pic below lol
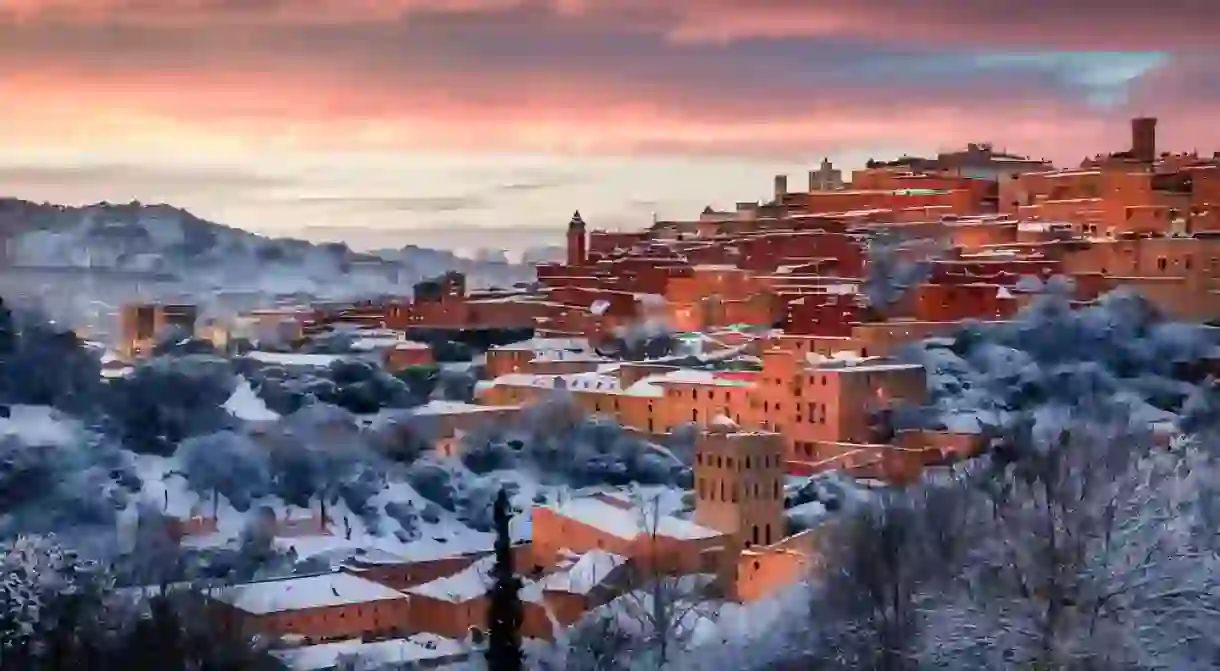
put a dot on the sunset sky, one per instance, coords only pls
(486, 122)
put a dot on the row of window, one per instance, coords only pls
(717, 461)
(707, 491)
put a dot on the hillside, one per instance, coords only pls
(76, 257)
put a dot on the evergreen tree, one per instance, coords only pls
(504, 613)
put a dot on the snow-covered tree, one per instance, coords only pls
(894, 264)
(36, 572)
(1093, 549)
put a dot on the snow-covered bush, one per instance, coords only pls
(169, 399)
(41, 364)
(559, 444)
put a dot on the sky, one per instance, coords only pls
(485, 123)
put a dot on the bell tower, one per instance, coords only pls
(739, 484)
(577, 253)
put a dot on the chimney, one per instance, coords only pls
(781, 187)
(1143, 139)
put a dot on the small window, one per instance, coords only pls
(1161, 263)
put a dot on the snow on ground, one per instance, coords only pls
(246, 405)
(38, 425)
(167, 490)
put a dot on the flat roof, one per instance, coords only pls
(301, 593)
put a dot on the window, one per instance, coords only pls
(1161, 263)
(699, 459)
(747, 462)
(767, 534)
(730, 462)
(755, 534)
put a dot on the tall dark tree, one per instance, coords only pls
(504, 613)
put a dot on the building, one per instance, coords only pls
(826, 177)
(738, 484)
(455, 605)
(143, 324)
(315, 609)
(418, 651)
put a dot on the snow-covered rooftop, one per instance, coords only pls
(591, 570)
(545, 344)
(471, 583)
(416, 649)
(318, 591)
(295, 359)
(628, 524)
(457, 408)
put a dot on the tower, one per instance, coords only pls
(1143, 139)
(781, 187)
(738, 484)
(577, 254)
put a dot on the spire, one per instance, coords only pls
(577, 221)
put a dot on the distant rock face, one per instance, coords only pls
(197, 259)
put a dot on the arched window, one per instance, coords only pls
(722, 490)
(756, 534)
(768, 534)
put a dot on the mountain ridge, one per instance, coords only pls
(153, 251)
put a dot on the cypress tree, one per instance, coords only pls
(504, 614)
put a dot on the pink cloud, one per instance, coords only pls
(177, 12)
(301, 112)
(1083, 24)
(178, 78)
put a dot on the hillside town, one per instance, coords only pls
(768, 334)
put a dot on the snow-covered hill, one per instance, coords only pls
(134, 248)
